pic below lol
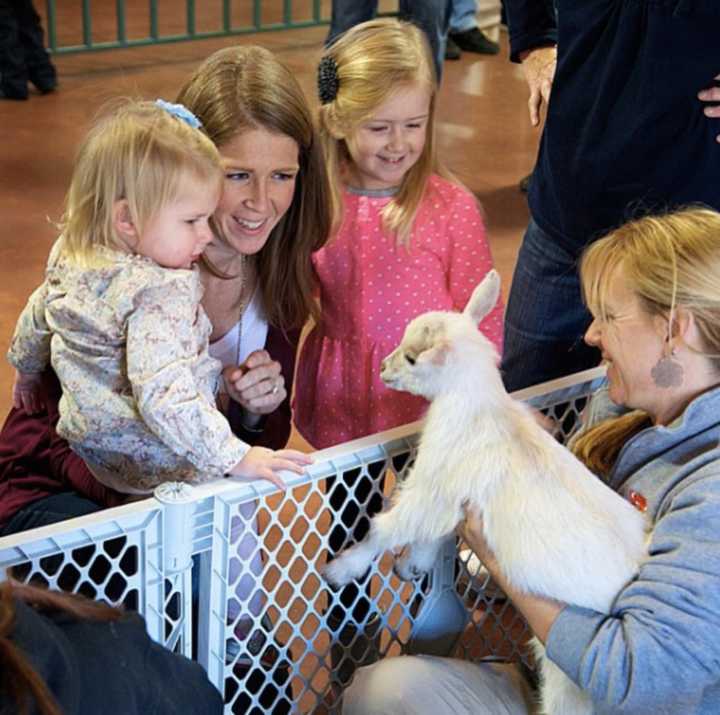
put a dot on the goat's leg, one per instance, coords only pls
(417, 559)
(355, 561)
(388, 530)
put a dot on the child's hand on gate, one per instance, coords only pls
(263, 463)
(28, 392)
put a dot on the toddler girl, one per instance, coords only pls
(407, 239)
(119, 314)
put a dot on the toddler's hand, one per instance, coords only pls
(263, 463)
(27, 392)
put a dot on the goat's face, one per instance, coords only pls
(438, 348)
(417, 364)
(430, 354)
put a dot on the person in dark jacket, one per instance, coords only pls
(61, 653)
(631, 129)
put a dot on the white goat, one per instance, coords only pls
(556, 529)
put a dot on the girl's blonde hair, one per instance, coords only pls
(374, 59)
(243, 88)
(670, 261)
(138, 152)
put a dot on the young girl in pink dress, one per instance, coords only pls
(406, 240)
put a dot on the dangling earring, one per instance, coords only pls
(668, 372)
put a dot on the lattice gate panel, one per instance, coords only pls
(118, 561)
(290, 642)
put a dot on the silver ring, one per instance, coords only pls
(275, 389)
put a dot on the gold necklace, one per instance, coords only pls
(243, 302)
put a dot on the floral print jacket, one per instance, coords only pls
(128, 340)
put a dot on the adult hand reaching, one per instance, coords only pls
(539, 67)
(712, 94)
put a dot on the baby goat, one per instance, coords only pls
(556, 529)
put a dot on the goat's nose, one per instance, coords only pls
(383, 365)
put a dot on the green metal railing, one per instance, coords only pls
(77, 17)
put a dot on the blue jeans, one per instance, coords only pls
(430, 15)
(545, 318)
(463, 15)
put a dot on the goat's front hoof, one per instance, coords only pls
(406, 570)
(351, 565)
(336, 574)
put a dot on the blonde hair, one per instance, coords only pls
(243, 88)
(373, 60)
(671, 261)
(138, 152)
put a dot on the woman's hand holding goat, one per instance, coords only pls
(539, 612)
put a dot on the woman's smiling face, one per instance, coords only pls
(632, 342)
(260, 169)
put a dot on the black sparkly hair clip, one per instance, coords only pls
(327, 79)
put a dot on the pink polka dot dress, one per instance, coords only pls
(370, 289)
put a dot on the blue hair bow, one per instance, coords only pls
(180, 111)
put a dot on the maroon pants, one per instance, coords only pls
(35, 462)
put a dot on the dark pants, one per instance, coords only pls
(55, 509)
(545, 319)
(49, 510)
(432, 16)
(22, 49)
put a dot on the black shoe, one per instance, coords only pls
(452, 51)
(474, 40)
(260, 669)
(45, 87)
(44, 78)
(13, 92)
(352, 645)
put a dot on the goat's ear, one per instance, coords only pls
(484, 297)
(437, 354)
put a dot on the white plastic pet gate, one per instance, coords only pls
(230, 574)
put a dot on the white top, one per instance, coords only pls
(253, 336)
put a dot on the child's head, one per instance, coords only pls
(377, 87)
(145, 180)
